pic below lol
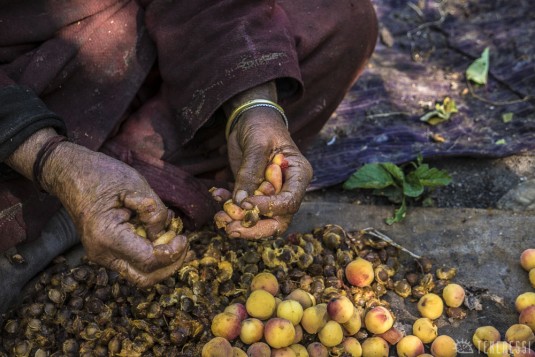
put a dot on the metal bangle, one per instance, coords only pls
(256, 103)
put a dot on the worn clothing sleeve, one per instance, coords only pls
(22, 113)
(211, 50)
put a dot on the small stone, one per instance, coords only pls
(386, 37)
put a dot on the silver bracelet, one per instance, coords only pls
(237, 113)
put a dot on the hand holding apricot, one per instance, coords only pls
(259, 136)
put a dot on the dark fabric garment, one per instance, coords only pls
(143, 81)
(21, 115)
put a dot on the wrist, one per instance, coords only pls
(258, 101)
(63, 166)
(23, 158)
(266, 91)
(256, 107)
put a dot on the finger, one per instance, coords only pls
(171, 251)
(265, 189)
(263, 228)
(296, 179)
(151, 212)
(142, 255)
(221, 219)
(251, 172)
(220, 194)
(142, 279)
(275, 205)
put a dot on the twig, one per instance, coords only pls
(424, 25)
(427, 24)
(375, 233)
(384, 115)
(478, 97)
(416, 10)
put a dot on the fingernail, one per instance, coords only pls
(234, 235)
(247, 205)
(183, 239)
(217, 198)
(240, 196)
(178, 242)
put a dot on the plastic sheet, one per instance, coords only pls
(379, 119)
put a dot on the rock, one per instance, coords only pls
(519, 198)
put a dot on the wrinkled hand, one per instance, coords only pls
(258, 136)
(102, 195)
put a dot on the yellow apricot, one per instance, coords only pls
(485, 336)
(453, 295)
(524, 300)
(265, 281)
(331, 334)
(410, 346)
(378, 320)
(290, 310)
(425, 329)
(360, 272)
(260, 304)
(444, 346)
(431, 306)
(375, 347)
(279, 332)
(527, 259)
(499, 349)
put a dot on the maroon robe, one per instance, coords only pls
(144, 81)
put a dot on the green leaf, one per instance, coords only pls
(393, 193)
(507, 117)
(478, 71)
(432, 177)
(441, 113)
(500, 142)
(394, 170)
(419, 160)
(428, 116)
(437, 120)
(399, 214)
(428, 202)
(412, 187)
(369, 176)
(397, 183)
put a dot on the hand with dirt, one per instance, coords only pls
(258, 136)
(102, 196)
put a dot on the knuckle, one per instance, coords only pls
(149, 264)
(293, 205)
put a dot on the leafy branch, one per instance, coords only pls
(397, 182)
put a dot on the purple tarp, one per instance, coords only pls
(433, 46)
